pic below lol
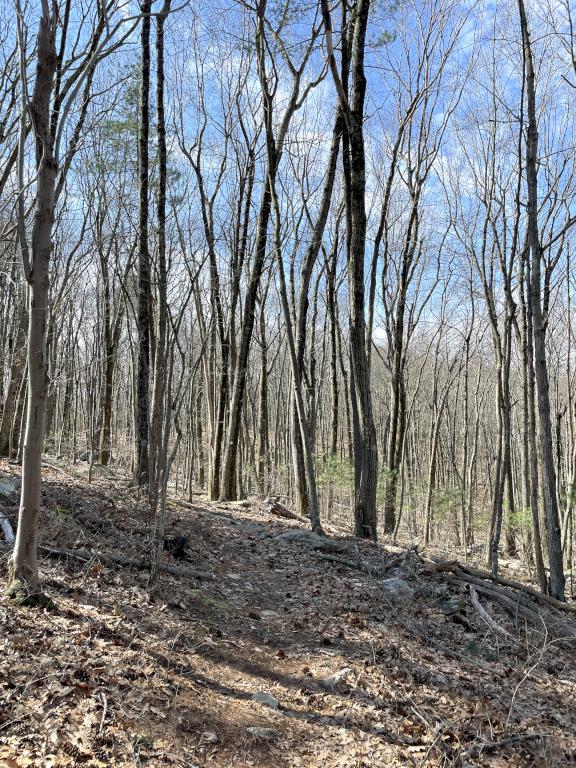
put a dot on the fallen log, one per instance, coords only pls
(539, 596)
(274, 507)
(436, 565)
(352, 564)
(516, 608)
(486, 616)
(517, 598)
(141, 564)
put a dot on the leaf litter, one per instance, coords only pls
(295, 653)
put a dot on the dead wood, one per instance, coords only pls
(509, 741)
(454, 566)
(538, 596)
(486, 616)
(349, 564)
(141, 564)
(107, 558)
(274, 507)
(517, 598)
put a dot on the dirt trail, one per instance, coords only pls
(297, 653)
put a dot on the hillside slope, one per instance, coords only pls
(289, 651)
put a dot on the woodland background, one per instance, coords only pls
(310, 251)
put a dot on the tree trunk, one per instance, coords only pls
(556, 582)
(23, 569)
(354, 163)
(228, 486)
(157, 460)
(17, 371)
(142, 428)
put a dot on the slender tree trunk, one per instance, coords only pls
(303, 424)
(434, 438)
(23, 571)
(302, 496)
(556, 582)
(263, 460)
(274, 146)
(157, 461)
(354, 163)
(199, 416)
(529, 441)
(465, 445)
(17, 372)
(160, 426)
(228, 489)
(142, 469)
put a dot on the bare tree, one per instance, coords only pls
(142, 464)
(556, 583)
(353, 45)
(48, 118)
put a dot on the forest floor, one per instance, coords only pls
(295, 653)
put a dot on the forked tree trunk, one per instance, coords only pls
(365, 449)
(556, 582)
(312, 251)
(275, 138)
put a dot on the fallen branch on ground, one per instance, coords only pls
(509, 741)
(349, 564)
(141, 564)
(538, 596)
(486, 616)
(517, 598)
(279, 510)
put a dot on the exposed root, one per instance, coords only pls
(26, 593)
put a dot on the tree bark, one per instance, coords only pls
(17, 372)
(354, 163)
(23, 570)
(556, 581)
(142, 427)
